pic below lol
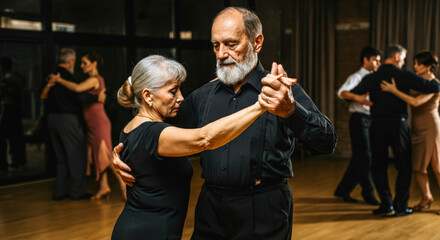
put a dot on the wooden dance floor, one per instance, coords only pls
(27, 211)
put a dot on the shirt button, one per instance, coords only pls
(234, 99)
(225, 147)
(223, 168)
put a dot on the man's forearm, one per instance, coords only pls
(310, 126)
(348, 95)
(314, 130)
(361, 99)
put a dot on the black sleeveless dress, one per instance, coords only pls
(158, 201)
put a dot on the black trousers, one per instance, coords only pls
(69, 145)
(11, 129)
(359, 168)
(242, 214)
(394, 133)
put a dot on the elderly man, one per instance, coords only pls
(245, 194)
(390, 129)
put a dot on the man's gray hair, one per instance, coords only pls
(391, 50)
(65, 54)
(154, 72)
(252, 24)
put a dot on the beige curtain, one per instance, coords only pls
(415, 24)
(314, 51)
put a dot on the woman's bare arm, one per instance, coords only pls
(413, 101)
(88, 84)
(175, 142)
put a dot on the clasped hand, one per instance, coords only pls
(52, 79)
(276, 96)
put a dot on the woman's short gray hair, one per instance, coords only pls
(154, 72)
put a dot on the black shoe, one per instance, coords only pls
(84, 196)
(346, 198)
(370, 199)
(404, 212)
(388, 212)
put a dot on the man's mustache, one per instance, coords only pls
(226, 61)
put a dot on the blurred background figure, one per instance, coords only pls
(359, 168)
(11, 127)
(99, 126)
(425, 126)
(65, 129)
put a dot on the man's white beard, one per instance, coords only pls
(233, 75)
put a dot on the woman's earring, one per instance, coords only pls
(150, 104)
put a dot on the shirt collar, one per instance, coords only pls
(63, 70)
(364, 71)
(256, 76)
(388, 65)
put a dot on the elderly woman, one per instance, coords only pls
(425, 125)
(157, 202)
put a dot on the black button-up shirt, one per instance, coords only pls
(385, 104)
(235, 164)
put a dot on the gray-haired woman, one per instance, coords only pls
(158, 200)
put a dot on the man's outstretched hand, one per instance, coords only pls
(121, 168)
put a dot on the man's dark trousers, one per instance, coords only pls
(391, 132)
(264, 212)
(69, 144)
(358, 170)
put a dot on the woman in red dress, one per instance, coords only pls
(99, 126)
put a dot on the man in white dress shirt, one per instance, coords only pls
(358, 170)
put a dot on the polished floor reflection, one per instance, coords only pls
(35, 167)
(27, 211)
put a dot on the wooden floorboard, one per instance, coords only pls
(27, 211)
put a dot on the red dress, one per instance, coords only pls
(99, 127)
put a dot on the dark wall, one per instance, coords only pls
(352, 34)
